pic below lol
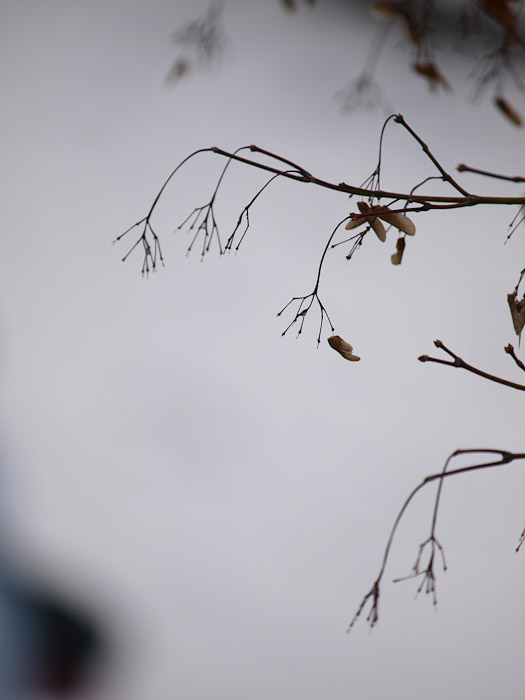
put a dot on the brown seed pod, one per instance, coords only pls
(399, 221)
(508, 110)
(378, 229)
(398, 255)
(517, 310)
(343, 348)
(178, 70)
(376, 225)
(433, 75)
(353, 223)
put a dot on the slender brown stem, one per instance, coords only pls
(459, 362)
(399, 119)
(431, 201)
(510, 350)
(462, 168)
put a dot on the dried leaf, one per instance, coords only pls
(398, 255)
(517, 310)
(508, 110)
(343, 348)
(400, 221)
(433, 75)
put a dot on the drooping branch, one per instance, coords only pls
(427, 201)
(305, 302)
(204, 217)
(245, 213)
(428, 573)
(459, 362)
(376, 205)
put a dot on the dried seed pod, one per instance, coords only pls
(178, 70)
(433, 75)
(354, 223)
(398, 255)
(508, 110)
(359, 220)
(517, 310)
(343, 348)
(376, 225)
(378, 229)
(400, 221)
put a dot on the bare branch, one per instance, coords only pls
(459, 362)
(462, 168)
(150, 260)
(428, 574)
(305, 302)
(203, 221)
(246, 213)
(428, 201)
(446, 176)
(510, 350)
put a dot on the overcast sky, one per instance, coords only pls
(219, 494)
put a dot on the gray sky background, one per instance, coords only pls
(220, 493)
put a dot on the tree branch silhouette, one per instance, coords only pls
(459, 362)
(372, 211)
(428, 573)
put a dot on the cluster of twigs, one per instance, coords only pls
(431, 546)
(202, 220)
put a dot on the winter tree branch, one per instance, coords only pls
(431, 543)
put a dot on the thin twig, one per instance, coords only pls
(246, 213)
(462, 168)
(459, 362)
(510, 350)
(399, 119)
(304, 307)
(430, 201)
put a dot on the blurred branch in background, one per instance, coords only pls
(487, 34)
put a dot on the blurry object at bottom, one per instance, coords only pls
(49, 647)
